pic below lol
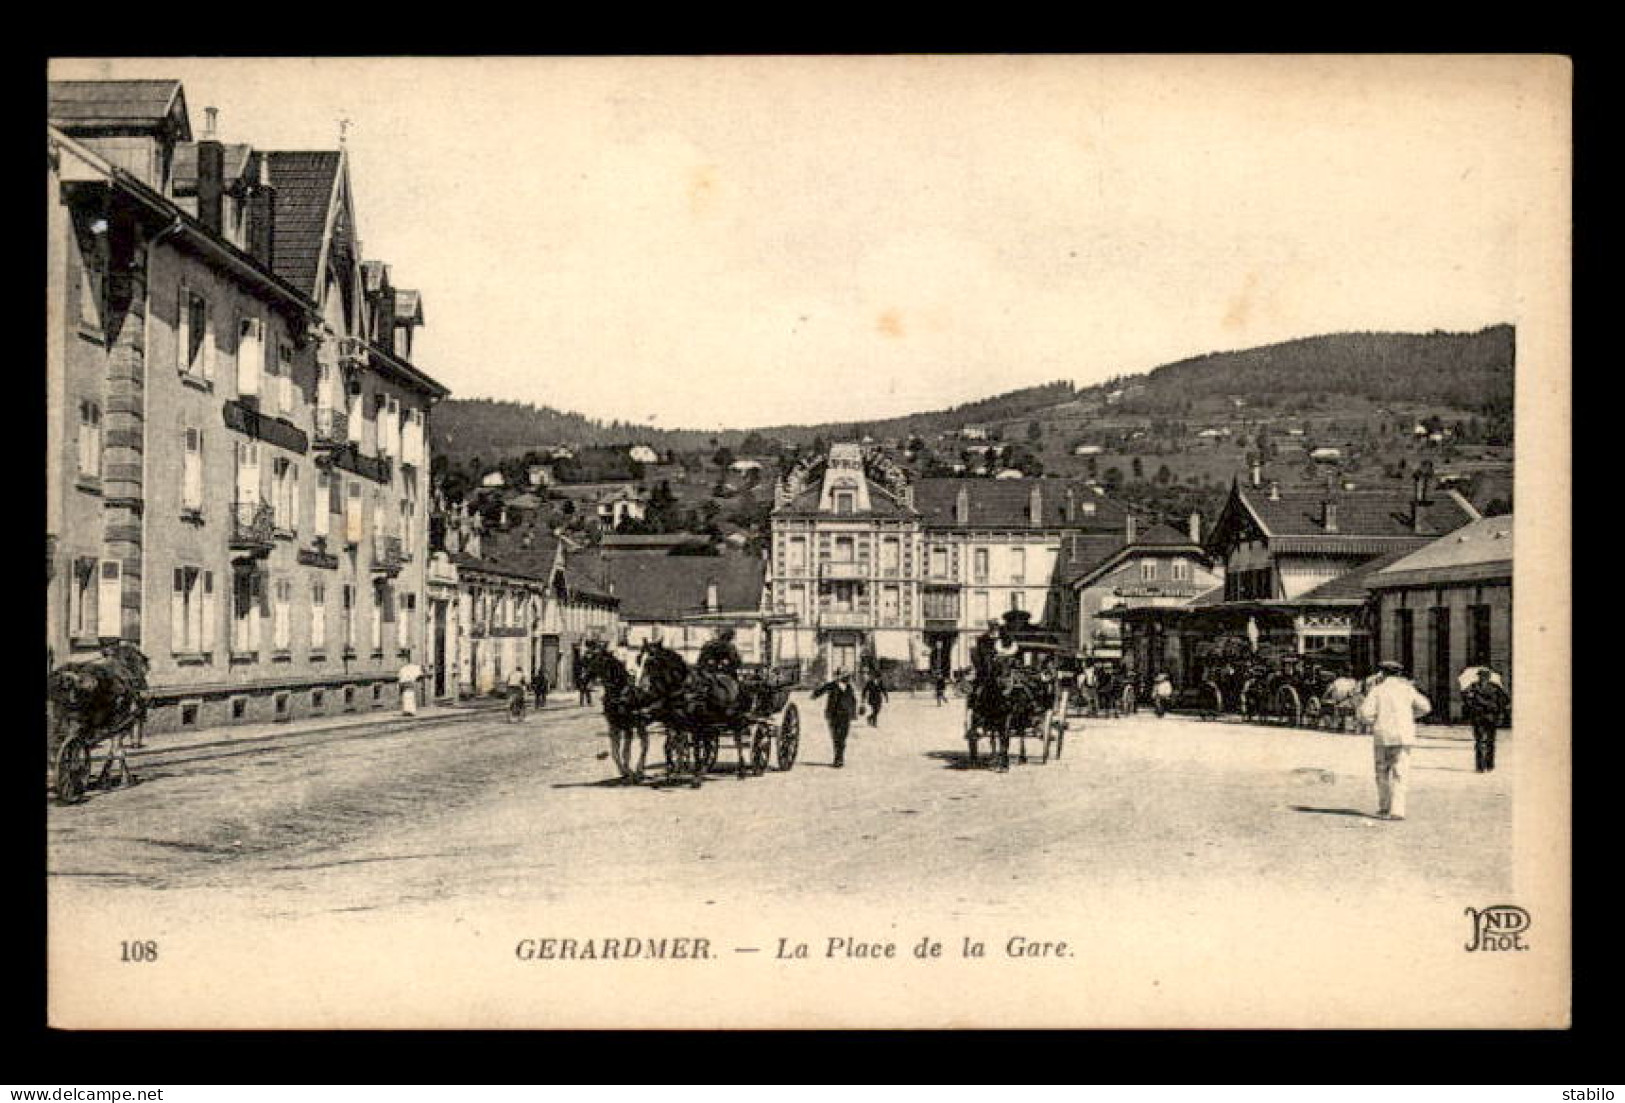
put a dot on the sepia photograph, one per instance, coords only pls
(808, 542)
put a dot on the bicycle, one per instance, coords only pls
(516, 706)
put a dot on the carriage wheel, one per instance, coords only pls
(679, 755)
(1129, 703)
(1314, 714)
(72, 770)
(1213, 703)
(789, 737)
(1289, 705)
(1247, 701)
(761, 749)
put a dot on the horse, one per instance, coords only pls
(1341, 698)
(633, 699)
(101, 700)
(1009, 702)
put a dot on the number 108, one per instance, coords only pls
(138, 951)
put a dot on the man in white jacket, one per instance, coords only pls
(1391, 708)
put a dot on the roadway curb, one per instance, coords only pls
(457, 716)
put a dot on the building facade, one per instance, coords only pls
(869, 562)
(248, 443)
(1448, 606)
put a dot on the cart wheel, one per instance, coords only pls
(789, 737)
(1213, 703)
(72, 770)
(1247, 701)
(761, 749)
(1314, 713)
(1291, 709)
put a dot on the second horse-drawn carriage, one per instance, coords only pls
(1018, 694)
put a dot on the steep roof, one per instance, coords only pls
(666, 587)
(408, 307)
(1360, 513)
(881, 501)
(1005, 503)
(1086, 554)
(505, 553)
(1480, 550)
(115, 102)
(305, 183)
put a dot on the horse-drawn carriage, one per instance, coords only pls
(1019, 695)
(694, 710)
(1275, 683)
(99, 702)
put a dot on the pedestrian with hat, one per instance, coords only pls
(1486, 703)
(1391, 708)
(839, 710)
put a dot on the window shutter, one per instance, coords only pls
(192, 470)
(293, 504)
(210, 613)
(208, 342)
(183, 329)
(109, 592)
(324, 499)
(250, 357)
(177, 612)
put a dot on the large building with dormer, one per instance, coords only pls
(869, 562)
(235, 429)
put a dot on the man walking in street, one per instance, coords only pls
(940, 681)
(838, 712)
(1485, 703)
(874, 695)
(538, 685)
(1392, 708)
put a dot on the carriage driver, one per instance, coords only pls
(719, 656)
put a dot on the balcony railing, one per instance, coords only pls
(332, 427)
(844, 569)
(253, 526)
(845, 620)
(941, 624)
(386, 554)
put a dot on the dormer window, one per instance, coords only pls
(845, 501)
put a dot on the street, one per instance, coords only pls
(391, 820)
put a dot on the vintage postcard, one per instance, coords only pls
(808, 542)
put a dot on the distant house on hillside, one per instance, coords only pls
(1326, 455)
(493, 479)
(1088, 450)
(642, 453)
(1213, 433)
(1010, 473)
(973, 432)
(743, 466)
(539, 474)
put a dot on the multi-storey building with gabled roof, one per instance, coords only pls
(235, 430)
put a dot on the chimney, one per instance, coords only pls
(1070, 509)
(1329, 514)
(1035, 506)
(385, 333)
(1419, 497)
(262, 215)
(211, 171)
(711, 604)
(1275, 491)
(1256, 467)
(962, 507)
(1196, 527)
(1128, 529)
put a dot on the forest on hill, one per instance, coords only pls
(1462, 371)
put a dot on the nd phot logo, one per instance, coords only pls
(1498, 927)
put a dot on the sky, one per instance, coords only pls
(743, 242)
